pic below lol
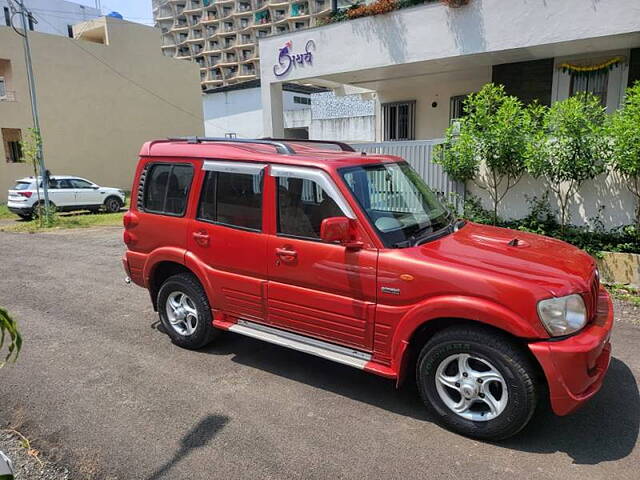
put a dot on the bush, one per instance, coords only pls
(624, 130)
(489, 149)
(542, 221)
(570, 148)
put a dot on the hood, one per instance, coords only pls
(552, 264)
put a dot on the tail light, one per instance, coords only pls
(130, 220)
(25, 194)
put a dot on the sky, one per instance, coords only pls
(133, 10)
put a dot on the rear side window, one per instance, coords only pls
(167, 188)
(22, 186)
(233, 199)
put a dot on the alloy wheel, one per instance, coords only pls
(471, 387)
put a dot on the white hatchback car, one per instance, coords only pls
(65, 194)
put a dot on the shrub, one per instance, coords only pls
(489, 149)
(570, 148)
(624, 130)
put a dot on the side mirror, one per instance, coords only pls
(340, 230)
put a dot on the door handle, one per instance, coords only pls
(201, 238)
(286, 255)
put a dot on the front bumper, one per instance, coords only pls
(575, 367)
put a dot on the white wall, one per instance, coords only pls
(54, 15)
(236, 111)
(240, 112)
(353, 129)
(607, 190)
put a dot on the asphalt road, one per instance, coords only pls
(100, 387)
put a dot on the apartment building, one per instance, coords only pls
(100, 97)
(419, 63)
(51, 16)
(221, 36)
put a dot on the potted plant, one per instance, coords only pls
(455, 3)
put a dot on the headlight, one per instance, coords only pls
(564, 315)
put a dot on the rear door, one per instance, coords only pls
(315, 288)
(62, 193)
(226, 237)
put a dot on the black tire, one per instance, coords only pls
(39, 207)
(504, 355)
(204, 332)
(112, 204)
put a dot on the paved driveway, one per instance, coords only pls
(99, 385)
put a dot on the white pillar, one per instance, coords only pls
(272, 110)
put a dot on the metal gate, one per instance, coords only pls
(419, 154)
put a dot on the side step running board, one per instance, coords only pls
(336, 353)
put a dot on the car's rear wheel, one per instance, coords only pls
(112, 205)
(38, 208)
(479, 383)
(185, 312)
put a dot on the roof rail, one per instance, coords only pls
(343, 146)
(279, 145)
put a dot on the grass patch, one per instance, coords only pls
(625, 292)
(5, 213)
(67, 221)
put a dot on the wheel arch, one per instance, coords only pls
(420, 324)
(163, 270)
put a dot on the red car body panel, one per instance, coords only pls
(479, 273)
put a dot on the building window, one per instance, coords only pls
(167, 189)
(595, 83)
(30, 19)
(456, 107)
(302, 100)
(399, 121)
(7, 16)
(3, 88)
(12, 140)
(232, 199)
(70, 31)
(529, 81)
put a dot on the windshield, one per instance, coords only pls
(398, 203)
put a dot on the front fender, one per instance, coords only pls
(475, 309)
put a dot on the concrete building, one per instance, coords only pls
(51, 16)
(236, 110)
(222, 35)
(100, 97)
(418, 64)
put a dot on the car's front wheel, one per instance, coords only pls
(480, 383)
(112, 204)
(185, 312)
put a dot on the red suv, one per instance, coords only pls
(351, 257)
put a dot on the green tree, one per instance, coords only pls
(624, 130)
(8, 326)
(571, 148)
(31, 148)
(488, 145)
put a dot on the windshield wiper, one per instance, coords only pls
(417, 237)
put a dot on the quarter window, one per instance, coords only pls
(167, 189)
(233, 199)
(302, 206)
